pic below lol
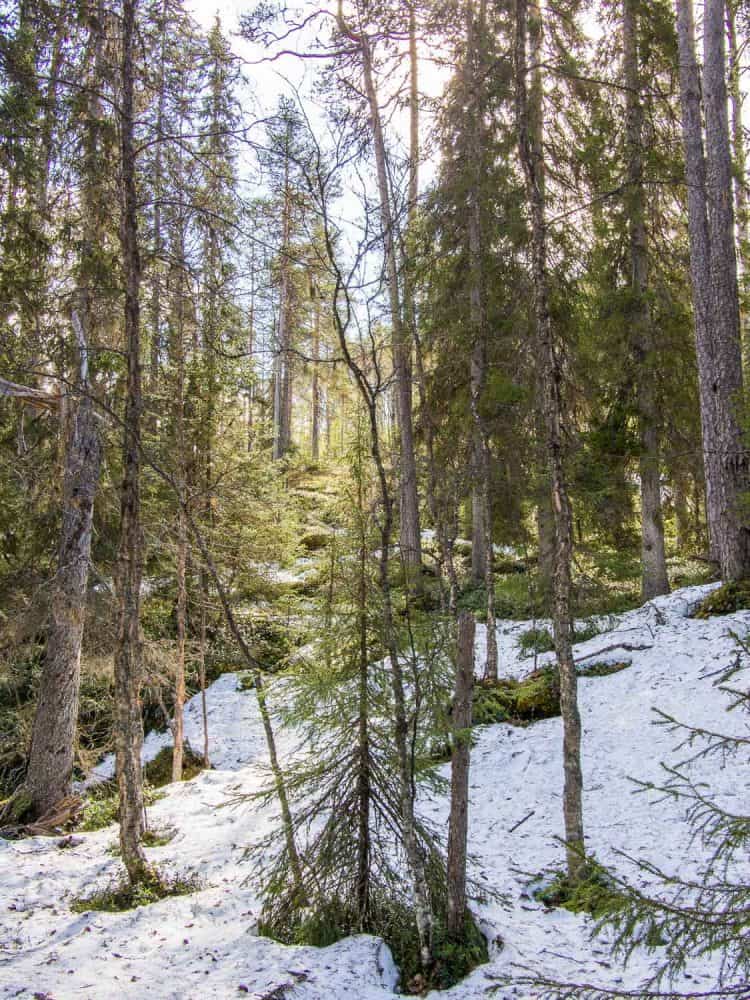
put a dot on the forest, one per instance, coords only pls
(374, 499)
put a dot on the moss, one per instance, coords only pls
(122, 895)
(158, 772)
(14, 810)
(731, 597)
(541, 640)
(455, 958)
(101, 807)
(329, 921)
(602, 669)
(596, 894)
(518, 702)
(314, 541)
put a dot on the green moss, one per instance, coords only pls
(328, 922)
(122, 895)
(314, 541)
(13, 810)
(455, 959)
(541, 640)
(518, 702)
(101, 807)
(725, 600)
(596, 894)
(158, 772)
(602, 669)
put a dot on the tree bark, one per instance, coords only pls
(458, 822)
(653, 558)
(410, 536)
(315, 389)
(714, 285)
(48, 777)
(128, 652)
(530, 130)
(742, 216)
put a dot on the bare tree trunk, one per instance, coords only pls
(734, 536)
(530, 128)
(48, 778)
(203, 597)
(742, 215)
(283, 384)
(51, 755)
(653, 559)
(315, 391)
(128, 652)
(410, 537)
(458, 822)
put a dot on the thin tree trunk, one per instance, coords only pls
(530, 128)
(315, 392)
(363, 735)
(653, 559)
(481, 497)
(410, 537)
(128, 652)
(458, 822)
(283, 385)
(742, 215)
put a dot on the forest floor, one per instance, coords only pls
(205, 944)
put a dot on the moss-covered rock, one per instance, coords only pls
(518, 702)
(725, 600)
(158, 772)
(315, 540)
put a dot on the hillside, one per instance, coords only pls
(204, 945)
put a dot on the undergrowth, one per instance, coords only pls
(121, 894)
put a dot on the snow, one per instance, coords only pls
(204, 945)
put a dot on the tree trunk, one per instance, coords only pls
(714, 285)
(315, 391)
(530, 129)
(283, 385)
(742, 217)
(410, 537)
(48, 778)
(51, 755)
(458, 822)
(128, 652)
(653, 559)
(734, 533)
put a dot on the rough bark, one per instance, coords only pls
(742, 216)
(48, 777)
(458, 822)
(714, 285)
(734, 534)
(530, 132)
(128, 652)
(653, 558)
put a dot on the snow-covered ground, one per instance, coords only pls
(203, 945)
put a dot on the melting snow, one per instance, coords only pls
(204, 945)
